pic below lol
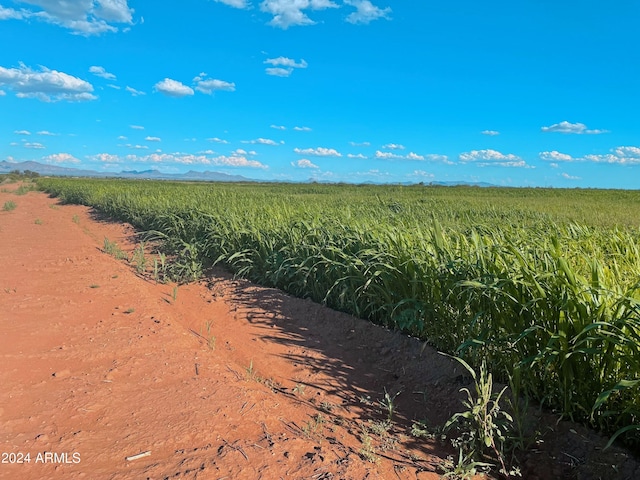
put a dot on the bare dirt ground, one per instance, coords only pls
(216, 380)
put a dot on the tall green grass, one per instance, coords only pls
(534, 282)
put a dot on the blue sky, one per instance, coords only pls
(527, 93)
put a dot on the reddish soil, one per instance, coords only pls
(216, 380)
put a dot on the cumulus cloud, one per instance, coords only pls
(153, 139)
(82, 17)
(135, 147)
(357, 155)
(101, 72)
(620, 155)
(279, 127)
(491, 133)
(33, 145)
(283, 66)
(105, 158)
(261, 141)
(575, 128)
(45, 85)
(60, 158)
(361, 144)
(414, 156)
(22, 132)
(492, 158)
(242, 151)
(421, 174)
(302, 129)
(237, 161)
(134, 92)
(210, 85)
(387, 155)
(318, 152)
(173, 88)
(11, 14)
(570, 177)
(304, 163)
(216, 140)
(393, 146)
(366, 12)
(137, 127)
(191, 159)
(555, 156)
(287, 13)
(234, 3)
(47, 133)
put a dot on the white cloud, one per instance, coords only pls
(173, 88)
(434, 157)
(491, 133)
(287, 13)
(283, 66)
(279, 127)
(105, 157)
(570, 177)
(47, 133)
(22, 132)
(361, 144)
(620, 155)
(302, 129)
(134, 92)
(137, 127)
(216, 140)
(492, 158)
(554, 165)
(209, 86)
(237, 161)
(421, 174)
(190, 159)
(286, 62)
(359, 155)
(33, 145)
(556, 156)
(234, 3)
(60, 158)
(135, 147)
(11, 14)
(261, 141)
(388, 155)
(487, 155)
(101, 72)
(366, 12)
(45, 85)
(575, 128)
(82, 17)
(122, 137)
(153, 139)
(318, 152)
(393, 146)
(278, 72)
(414, 156)
(2, 93)
(304, 163)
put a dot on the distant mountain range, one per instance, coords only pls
(54, 170)
(207, 176)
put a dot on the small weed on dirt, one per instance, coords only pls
(8, 206)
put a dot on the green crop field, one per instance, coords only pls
(543, 284)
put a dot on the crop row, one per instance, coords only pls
(552, 305)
